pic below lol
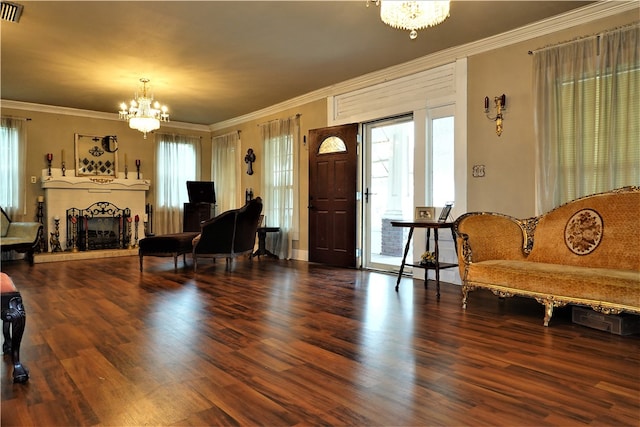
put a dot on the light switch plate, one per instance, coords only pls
(478, 171)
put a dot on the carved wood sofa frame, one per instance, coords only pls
(549, 258)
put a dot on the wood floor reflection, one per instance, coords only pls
(279, 343)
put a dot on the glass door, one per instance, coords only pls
(387, 190)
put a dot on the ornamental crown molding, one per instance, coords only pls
(66, 111)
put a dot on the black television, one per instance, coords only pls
(201, 192)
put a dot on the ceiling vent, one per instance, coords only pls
(11, 11)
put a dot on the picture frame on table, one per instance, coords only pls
(444, 215)
(425, 213)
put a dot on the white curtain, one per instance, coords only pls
(13, 157)
(586, 106)
(177, 161)
(280, 141)
(224, 170)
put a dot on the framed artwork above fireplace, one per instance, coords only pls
(95, 156)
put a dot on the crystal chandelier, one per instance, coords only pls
(143, 114)
(413, 15)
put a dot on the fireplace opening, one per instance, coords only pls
(100, 226)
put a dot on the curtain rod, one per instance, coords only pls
(235, 132)
(297, 116)
(591, 36)
(172, 134)
(26, 119)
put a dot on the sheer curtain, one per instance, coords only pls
(177, 161)
(13, 157)
(224, 169)
(280, 183)
(586, 109)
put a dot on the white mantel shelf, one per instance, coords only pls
(94, 183)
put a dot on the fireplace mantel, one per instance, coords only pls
(94, 183)
(65, 192)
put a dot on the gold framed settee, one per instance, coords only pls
(585, 252)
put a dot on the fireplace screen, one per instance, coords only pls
(100, 226)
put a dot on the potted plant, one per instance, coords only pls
(428, 259)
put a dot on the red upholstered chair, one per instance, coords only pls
(13, 321)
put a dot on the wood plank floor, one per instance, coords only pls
(279, 343)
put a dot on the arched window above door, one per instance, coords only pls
(332, 144)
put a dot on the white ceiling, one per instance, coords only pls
(211, 61)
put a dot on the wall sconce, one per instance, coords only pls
(500, 104)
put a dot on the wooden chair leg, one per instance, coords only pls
(14, 319)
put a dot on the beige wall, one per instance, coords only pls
(509, 160)
(52, 133)
(312, 116)
(507, 187)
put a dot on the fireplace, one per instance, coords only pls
(102, 225)
(82, 192)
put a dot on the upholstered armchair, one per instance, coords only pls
(19, 236)
(228, 235)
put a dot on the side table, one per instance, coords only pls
(429, 225)
(262, 241)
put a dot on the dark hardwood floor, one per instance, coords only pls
(278, 343)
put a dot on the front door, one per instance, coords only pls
(333, 173)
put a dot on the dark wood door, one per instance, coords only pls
(333, 170)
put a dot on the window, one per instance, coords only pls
(280, 182)
(177, 162)
(587, 108)
(587, 148)
(224, 170)
(13, 146)
(442, 165)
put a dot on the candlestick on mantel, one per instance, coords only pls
(49, 159)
